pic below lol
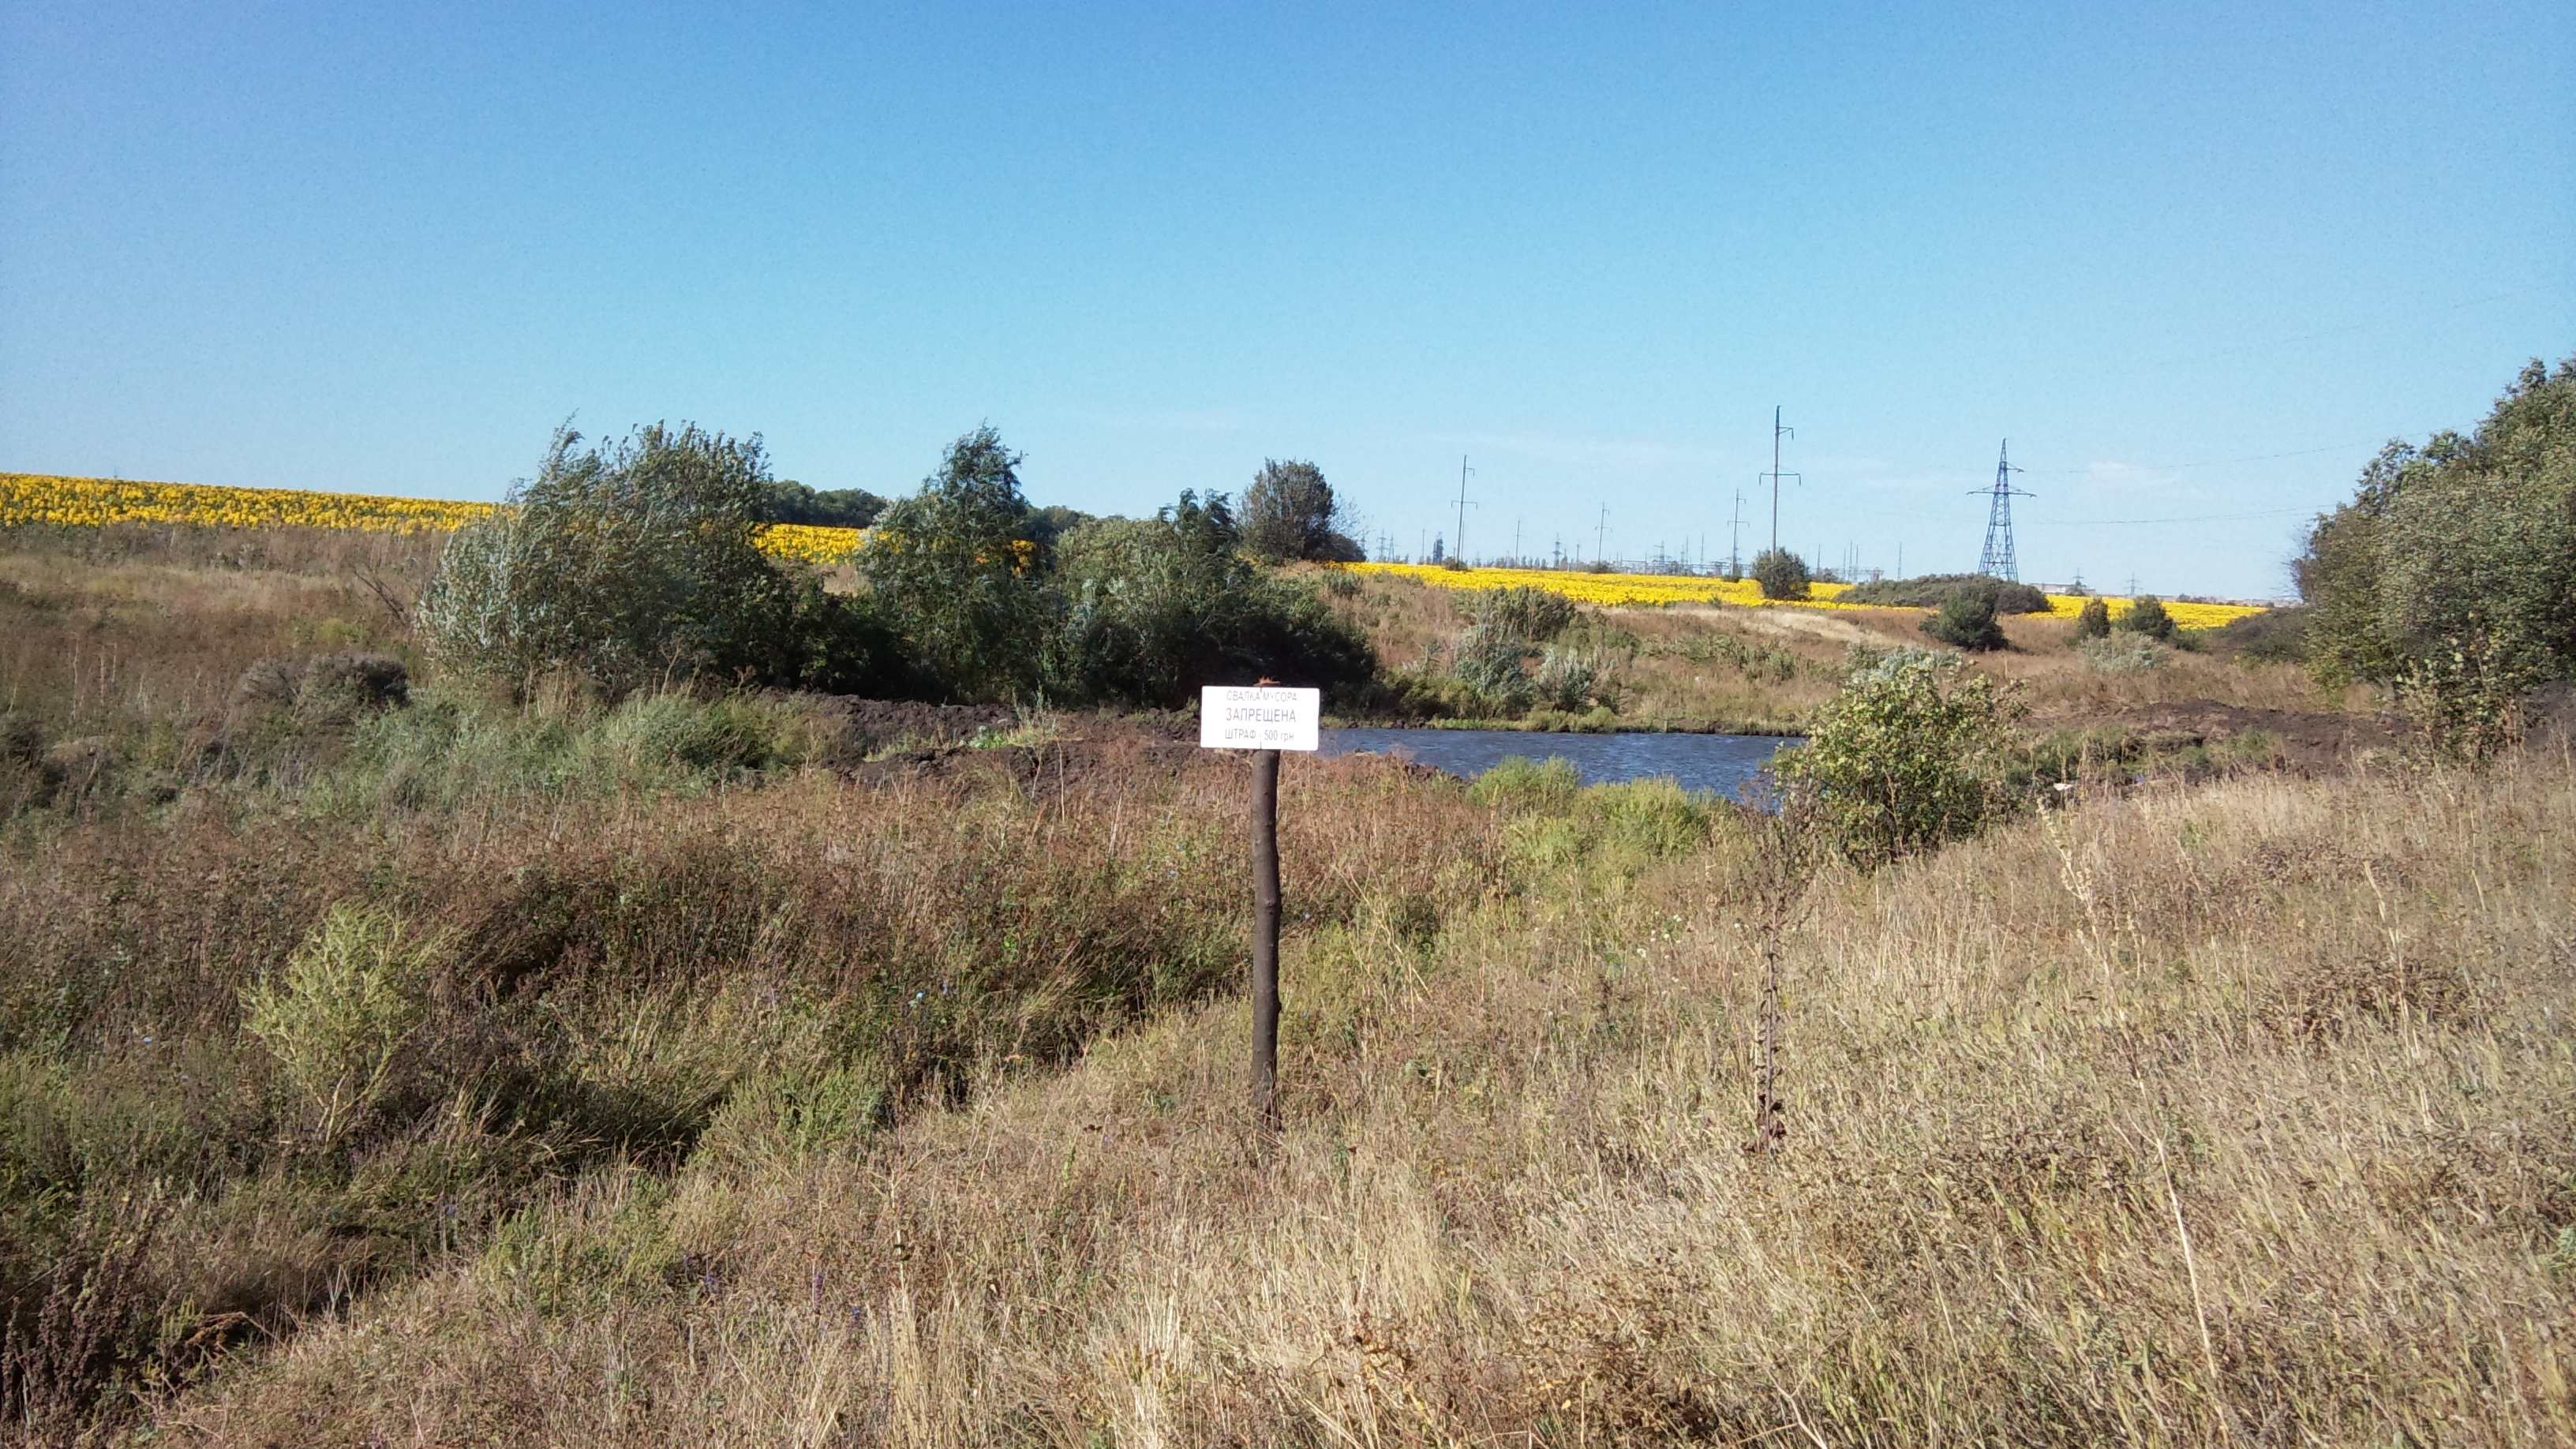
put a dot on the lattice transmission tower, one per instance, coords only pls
(1997, 561)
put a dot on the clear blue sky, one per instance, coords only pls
(2194, 261)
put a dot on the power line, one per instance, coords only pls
(1997, 560)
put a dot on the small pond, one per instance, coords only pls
(1721, 763)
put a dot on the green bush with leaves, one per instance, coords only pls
(1931, 591)
(1290, 513)
(635, 562)
(2093, 621)
(957, 569)
(1966, 620)
(2146, 615)
(1781, 574)
(1150, 609)
(337, 1015)
(2450, 577)
(1914, 751)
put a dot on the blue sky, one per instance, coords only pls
(2195, 262)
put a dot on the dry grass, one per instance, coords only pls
(2235, 1114)
(1697, 664)
(138, 633)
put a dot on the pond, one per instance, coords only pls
(1725, 764)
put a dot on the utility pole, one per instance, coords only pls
(1601, 531)
(1516, 543)
(1734, 538)
(1458, 548)
(1778, 431)
(1997, 560)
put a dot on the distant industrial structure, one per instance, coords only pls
(1997, 560)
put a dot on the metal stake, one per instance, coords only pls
(1265, 937)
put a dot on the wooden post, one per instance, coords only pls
(1265, 937)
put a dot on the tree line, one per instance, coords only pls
(633, 562)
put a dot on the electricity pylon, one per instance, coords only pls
(1997, 560)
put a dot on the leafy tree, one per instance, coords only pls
(2146, 615)
(788, 501)
(1931, 591)
(1966, 619)
(634, 561)
(2451, 575)
(1911, 753)
(2094, 622)
(1289, 513)
(1151, 609)
(957, 570)
(1782, 574)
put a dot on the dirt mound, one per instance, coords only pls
(2310, 739)
(881, 723)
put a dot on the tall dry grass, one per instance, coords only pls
(2230, 1114)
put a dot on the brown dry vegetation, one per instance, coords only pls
(745, 1094)
(2235, 1113)
(1703, 665)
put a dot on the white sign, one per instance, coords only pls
(1259, 718)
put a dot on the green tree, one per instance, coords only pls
(1966, 620)
(958, 572)
(2146, 615)
(1151, 609)
(2093, 621)
(1782, 574)
(1909, 754)
(1289, 513)
(2450, 577)
(789, 501)
(629, 562)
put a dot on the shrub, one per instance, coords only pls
(2094, 622)
(626, 563)
(339, 1012)
(2448, 575)
(1931, 591)
(2121, 654)
(788, 501)
(2147, 616)
(958, 572)
(1782, 574)
(1289, 513)
(1151, 609)
(1967, 620)
(1908, 755)
(2274, 636)
(1536, 615)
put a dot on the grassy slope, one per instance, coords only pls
(672, 1160)
(1697, 664)
(2229, 1115)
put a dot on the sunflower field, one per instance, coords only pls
(1613, 590)
(40, 498)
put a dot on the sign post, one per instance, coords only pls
(1264, 719)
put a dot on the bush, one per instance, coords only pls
(2147, 616)
(339, 1012)
(960, 575)
(1151, 609)
(1931, 591)
(788, 501)
(1782, 574)
(1910, 754)
(1967, 620)
(2448, 575)
(1289, 513)
(2275, 636)
(2121, 654)
(2094, 622)
(626, 563)
(1536, 615)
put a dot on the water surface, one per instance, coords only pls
(1722, 763)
